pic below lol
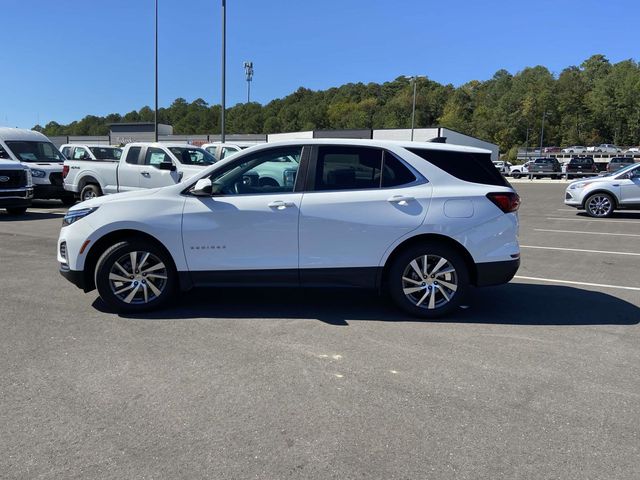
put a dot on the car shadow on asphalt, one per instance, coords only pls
(30, 216)
(632, 215)
(511, 304)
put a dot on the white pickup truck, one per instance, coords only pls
(141, 166)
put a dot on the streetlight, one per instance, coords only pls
(224, 67)
(414, 80)
(544, 115)
(248, 72)
(155, 111)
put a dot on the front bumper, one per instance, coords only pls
(573, 198)
(496, 273)
(50, 191)
(74, 276)
(16, 198)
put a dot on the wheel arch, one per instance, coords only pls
(109, 239)
(601, 190)
(86, 180)
(418, 239)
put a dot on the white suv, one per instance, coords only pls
(421, 221)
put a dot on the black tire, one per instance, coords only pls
(115, 293)
(68, 201)
(89, 191)
(400, 286)
(515, 174)
(599, 205)
(16, 210)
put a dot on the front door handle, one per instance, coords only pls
(145, 174)
(280, 205)
(400, 199)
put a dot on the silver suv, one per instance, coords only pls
(600, 196)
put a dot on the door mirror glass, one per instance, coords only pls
(167, 165)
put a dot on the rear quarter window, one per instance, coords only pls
(466, 166)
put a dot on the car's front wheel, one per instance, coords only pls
(599, 205)
(428, 280)
(135, 276)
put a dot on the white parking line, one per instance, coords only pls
(587, 233)
(599, 220)
(569, 282)
(581, 250)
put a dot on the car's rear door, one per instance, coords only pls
(358, 201)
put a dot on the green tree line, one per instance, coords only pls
(596, 102)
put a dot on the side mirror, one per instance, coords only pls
(167, 165)
(202, 188)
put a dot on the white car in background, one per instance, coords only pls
(575, 149)
(516, 171)
(224, 150)
(633, 150)
(97, 153)
(421, 221)
(605, 148)
(601, 196)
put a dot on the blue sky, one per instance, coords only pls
(67, 59)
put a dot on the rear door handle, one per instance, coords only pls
(280, 205)
(145, 174)
(400, 199)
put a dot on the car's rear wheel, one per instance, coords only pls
(90, 191)
(428, 280)
(135, 276)
(599, 205)
(515, 174)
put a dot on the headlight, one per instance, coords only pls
(29, 178)
(289, 177)
(579, 185)
(75, 215)
(38, 173)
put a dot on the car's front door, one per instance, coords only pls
(630, 187)
(359, 201)
(246, 232)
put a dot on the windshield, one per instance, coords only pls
(193, 156)
(106, 153)
(35, 151)
(581, 160)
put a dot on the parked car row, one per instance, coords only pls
(602, 148)
(579, 166)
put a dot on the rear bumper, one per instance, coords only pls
(496, 273)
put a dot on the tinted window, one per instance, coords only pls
(394, 172)
(467, 166)
(192, 156)
(4, 154)
(348, 168)
(581, 161)
(66, 151)
(133, 154)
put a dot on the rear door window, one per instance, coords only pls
(348, 168)
(467, 166)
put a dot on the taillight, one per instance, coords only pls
(65, 171)
(508, 202)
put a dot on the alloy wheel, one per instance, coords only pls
(138, 277)
(429, 281)
(599, 205)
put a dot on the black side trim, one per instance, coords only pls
(74, 276)
(359, 277)
(245, 278)
(496, 273)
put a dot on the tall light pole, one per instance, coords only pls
(248, 72)
(414, 80)
(224, 67)
(155, 111)
(544, 115)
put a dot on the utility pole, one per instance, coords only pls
(155, 111)
(224, 68)
(414, 80)
(526, 146)
(248, 72)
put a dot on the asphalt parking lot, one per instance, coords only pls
(537, 379)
